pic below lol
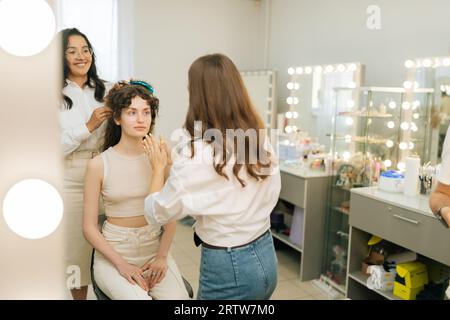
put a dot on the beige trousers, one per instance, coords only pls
(137, 246)
(78, 251)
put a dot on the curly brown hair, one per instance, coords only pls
(120, 97)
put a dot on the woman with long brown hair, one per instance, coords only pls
(228, 181)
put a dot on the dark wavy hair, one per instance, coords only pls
(120, 97)
(98, 83)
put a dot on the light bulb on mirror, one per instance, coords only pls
(299, 70)
(406, 105)
(341, 68)
(387, 163)
(403, 145)
(288, 129)
(329, 68)
(352, 67)
(288, 115)
(427, 63)
(411, 145)
(409, 64)
(349, 121)
(290, 85)
(291, 71)
(308, 70)
(296, 85)
(295, 100)
(389, 143)
(391, 124)
(414, 127)
(294, 128)
(295, 114)
(407, 84)
(404, 126)
(416, 116)
(38, 216)
(392, 104)
(290, 100)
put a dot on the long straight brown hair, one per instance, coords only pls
(218, 98)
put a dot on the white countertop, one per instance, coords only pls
(417, 203)
(297, 169)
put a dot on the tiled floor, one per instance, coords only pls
(289, 287)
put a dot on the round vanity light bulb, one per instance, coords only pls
(414, 127)
(26, 26)
(349, 121)
(290, 100)
(318, 69)
(308, 70)
(403, 145)
(288, 115)
(33, 208)
(352, 67)
(294, 128)
(389, 143)
(299, 70)
(392, 104)
(341, 68)
(295, 114)
(288, 129)
(391, 124)
(411, 145)
(296, 100)
(291, 71)
(406, 105)
(329, 68)
(427, 63)
(290, 85)
(387, 163)
(404, 126)
(416, 116)
(296, 85)
(407, 84)
(409, 64)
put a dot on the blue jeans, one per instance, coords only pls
(244, 273)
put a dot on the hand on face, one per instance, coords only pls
(157, 153)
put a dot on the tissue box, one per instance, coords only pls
(410, 280)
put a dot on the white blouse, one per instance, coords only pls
(444, 173)
(74, 133)
(226, 214)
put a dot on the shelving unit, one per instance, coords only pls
(371, 127)
(306, 189)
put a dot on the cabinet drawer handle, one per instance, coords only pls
(406, 219)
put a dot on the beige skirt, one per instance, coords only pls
(78, 251)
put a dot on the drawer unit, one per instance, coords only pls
(412, 230)
(293, 189)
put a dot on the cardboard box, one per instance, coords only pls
(410, 280)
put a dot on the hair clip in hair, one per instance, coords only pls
(143, 84)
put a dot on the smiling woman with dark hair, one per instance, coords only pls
(81, 116)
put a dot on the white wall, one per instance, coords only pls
(322, 31)
(171, 34)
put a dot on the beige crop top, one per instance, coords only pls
(126, 183)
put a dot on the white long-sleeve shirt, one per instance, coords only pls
(74, 133)
(226, 214)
